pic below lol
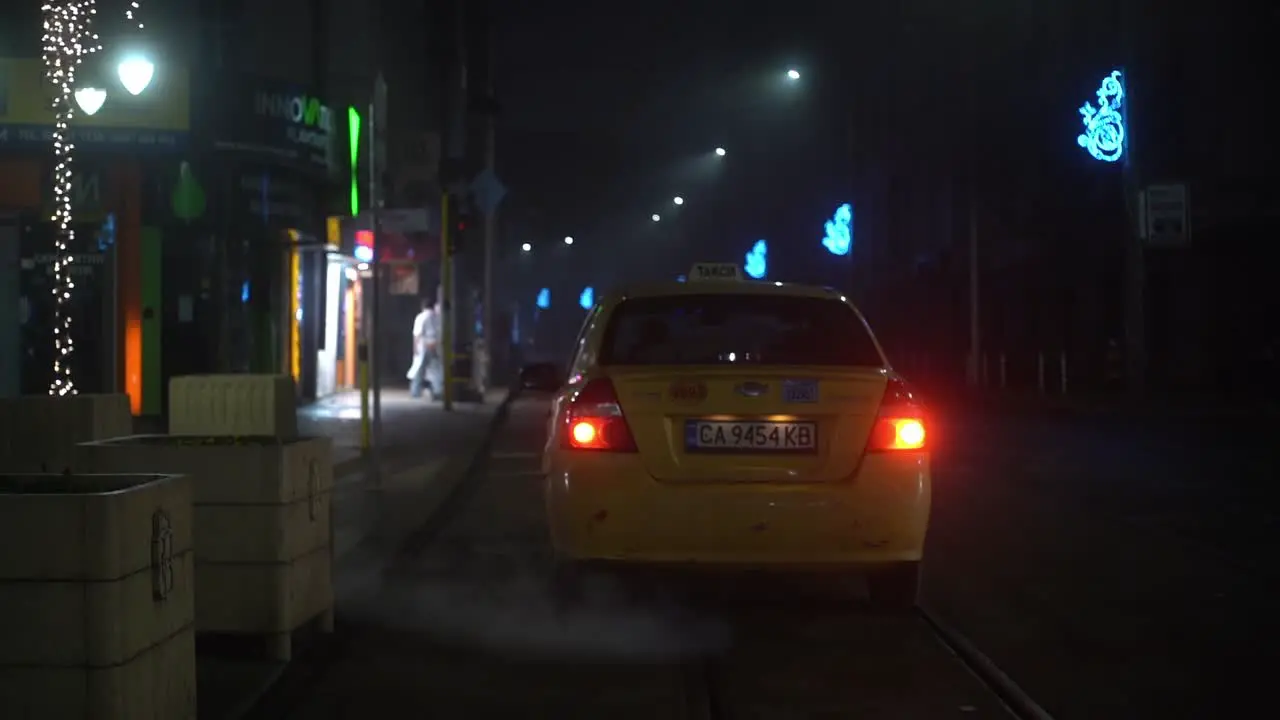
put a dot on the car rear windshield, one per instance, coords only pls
(747, 328)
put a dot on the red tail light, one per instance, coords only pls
(593, 420)
(900, 424)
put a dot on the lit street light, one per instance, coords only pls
(678, 200)
(656, 217)
(720, 151)
(135, 74)
(568, 240)
(526, 247)
(793, 74)
(90, 99)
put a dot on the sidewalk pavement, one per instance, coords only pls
(424, 454)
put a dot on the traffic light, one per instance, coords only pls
(461, 226)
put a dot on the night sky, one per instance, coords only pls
(612, 108)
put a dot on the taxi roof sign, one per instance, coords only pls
(703, 272)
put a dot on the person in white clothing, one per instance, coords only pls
(426, 351)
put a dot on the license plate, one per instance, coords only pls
(750, 436)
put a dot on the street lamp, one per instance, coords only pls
(90, 99)
(678, 200)
(655, 217)
(720, 151)
(793, 74)
(568, 240)
(526, 247)
(135, 73)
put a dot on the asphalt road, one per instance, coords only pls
(1112, 569)
(464, 627)
(1115, 567)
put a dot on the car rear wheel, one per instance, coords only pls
(894, 588)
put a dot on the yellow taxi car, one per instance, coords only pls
(736, 423)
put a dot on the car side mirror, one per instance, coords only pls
(542, 377)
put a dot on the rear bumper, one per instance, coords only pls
(607, 508)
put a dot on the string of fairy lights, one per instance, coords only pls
(67, 39)
(132, 14)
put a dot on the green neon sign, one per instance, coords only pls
(353, 145)
(313, 112)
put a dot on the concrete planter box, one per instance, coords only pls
(96, 597)
(245, 405)
(262, 526)
(38, 433)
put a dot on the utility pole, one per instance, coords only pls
(377, 159)
(445, 293)
(485, 367)
(453, 145)
(1135, 323)
(975, 317)
(974, 365)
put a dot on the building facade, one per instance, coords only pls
(206, 205)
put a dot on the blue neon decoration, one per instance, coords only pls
(1104, 133)
(588, 298)
(107, 233)
(758, 260)
(839, 238)
(682, 278)
(544, 299)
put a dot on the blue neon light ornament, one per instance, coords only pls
(839, 239)
(587, 299)
(544, 299)
(681, 278)
(758, 260)
(1104, 126)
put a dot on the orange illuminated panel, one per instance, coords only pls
(129, 257)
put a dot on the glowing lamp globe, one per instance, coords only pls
(90, 99)
(135, 74)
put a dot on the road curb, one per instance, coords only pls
(285, 689)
